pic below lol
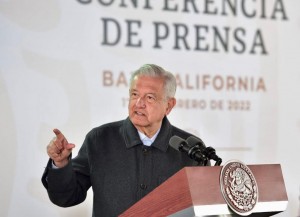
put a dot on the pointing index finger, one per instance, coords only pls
(60, 137)
(57, 132)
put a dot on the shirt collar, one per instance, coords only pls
(132, 137)
(146, 140)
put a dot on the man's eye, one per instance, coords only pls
(134, 95)
(150, 98)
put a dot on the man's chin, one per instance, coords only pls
(138, 122)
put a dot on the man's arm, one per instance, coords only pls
(65, 187)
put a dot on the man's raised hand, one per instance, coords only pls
(59, 149)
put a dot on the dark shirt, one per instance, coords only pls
(120, 169)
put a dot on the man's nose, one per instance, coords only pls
(140, 102)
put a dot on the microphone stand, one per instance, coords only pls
(210, 153)
(197, 155)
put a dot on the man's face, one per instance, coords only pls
(147, 104)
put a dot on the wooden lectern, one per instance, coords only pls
(195, 191)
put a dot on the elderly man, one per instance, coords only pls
(122, 161)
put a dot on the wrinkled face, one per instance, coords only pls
(147, 104)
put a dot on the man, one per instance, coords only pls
(122, 161)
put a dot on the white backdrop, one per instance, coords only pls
(66, 64)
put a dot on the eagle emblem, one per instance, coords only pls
(239, 187)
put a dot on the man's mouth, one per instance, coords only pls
(139, 113)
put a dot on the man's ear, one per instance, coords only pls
(171, 104)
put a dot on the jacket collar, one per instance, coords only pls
(132, 138)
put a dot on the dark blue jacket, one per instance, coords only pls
(120, 169)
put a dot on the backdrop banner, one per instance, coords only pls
(66, 65)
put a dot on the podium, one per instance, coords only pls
(195, 191)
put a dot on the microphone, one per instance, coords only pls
(208, 152)
(193, 152)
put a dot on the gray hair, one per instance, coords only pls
(152, 70)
